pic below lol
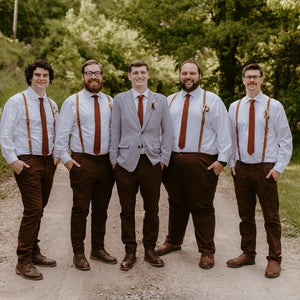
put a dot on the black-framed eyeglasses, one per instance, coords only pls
(90, 73)
(254, 77)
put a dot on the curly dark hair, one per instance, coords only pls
(40, 63)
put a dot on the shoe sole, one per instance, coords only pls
(164, 253)
(45, 266)
(206, 266)
(28, 278)
(272, 275)
(82, 269)
(152, 264)
(241, 265)
(104, 261)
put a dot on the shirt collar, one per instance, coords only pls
(33, 95)
(195, 93)
(89, 94)
(259, 97)
(136, 94)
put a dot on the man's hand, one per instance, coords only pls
(114, 165)
(275, 174)
(56, 161)
(18, 166)
(69, 164)
(217, 167)
(232, 170)
(162, 165)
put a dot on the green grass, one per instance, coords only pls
(289, 192)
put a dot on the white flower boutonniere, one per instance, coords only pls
(153, 105)
(205, 108)
(54, 110)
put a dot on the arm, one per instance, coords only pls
(167, 133)
(115, 131)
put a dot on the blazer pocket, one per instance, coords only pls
(123, 146)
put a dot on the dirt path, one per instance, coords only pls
(181, 278)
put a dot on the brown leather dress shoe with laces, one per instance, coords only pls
(153, 259)
(80, 262)
(128, 261)
(167, 248)
(206, 261)
(43, 261)
(240, 261)
(273, 269)
(103, 256)
(28, 271)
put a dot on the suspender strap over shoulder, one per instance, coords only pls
(27, 123)
(78, 122)
(204, 110)
(266, 129)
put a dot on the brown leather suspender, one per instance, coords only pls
(28, 120)
(78, 118)
(204, 110)
(266, 115)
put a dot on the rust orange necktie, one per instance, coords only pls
(141, 109)
(45, 145)
(182, 136)
(251, 128)
(97, 139)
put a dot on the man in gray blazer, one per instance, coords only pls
(141, 144)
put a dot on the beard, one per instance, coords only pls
(191, 88)
(93, 85)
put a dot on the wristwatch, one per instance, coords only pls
(223, 163)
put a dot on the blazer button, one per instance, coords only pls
(139, 147)
(142, 132)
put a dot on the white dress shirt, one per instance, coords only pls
(67, 124)
(216, 133)
(13, 129)
(279, 139)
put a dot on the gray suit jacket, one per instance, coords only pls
(127, 136)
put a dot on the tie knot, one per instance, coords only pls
(95, 97)
(140, 97)
(41, 99)
(187, 96)
(252, 101)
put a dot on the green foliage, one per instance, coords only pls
(13, 59)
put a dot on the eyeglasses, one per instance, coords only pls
(90, 73)
(255, 77)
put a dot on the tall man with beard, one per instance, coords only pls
(201, 148)
(85, 123)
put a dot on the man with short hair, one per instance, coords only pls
(85, 117)
(141, 143)
(262, 148)
(27, 138)
(201, 148)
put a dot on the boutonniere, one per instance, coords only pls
(110, 106)
(153, 105)
(54, 110)
(266, 114)
(205, 108)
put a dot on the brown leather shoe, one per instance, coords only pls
(153, 259)
(28, 271)
(43, 261)
(240, 261)
(128, 261)
(103, 256)
(206, 261)
(80, 262)
(273, 269)
(167, 248)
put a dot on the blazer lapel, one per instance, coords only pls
(149, 109)
(132, 108)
